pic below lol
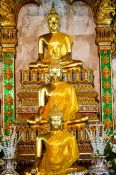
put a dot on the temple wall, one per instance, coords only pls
(76, 20)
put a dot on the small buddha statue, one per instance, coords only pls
(55, 42)
(61, 149)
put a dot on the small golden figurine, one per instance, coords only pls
(61, 149)
(57, 42)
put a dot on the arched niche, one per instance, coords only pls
(76, 20)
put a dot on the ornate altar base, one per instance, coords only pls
(28, 99)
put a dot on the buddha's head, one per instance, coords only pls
(55, 118)
(55, 71)
(53, 20)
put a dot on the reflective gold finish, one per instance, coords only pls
(6, 13)
(37, 79)
(108, 123)
(58, 143)
(107, 98)
(105, 60)
(56, 43)
(8, 61)
(8, 100)
(57, 92)
(104, 12)
(8, 112)
(8, 124)
(8, 20)
(8, 86)
(107, 110)
(107, 85)
(106, 72)
(83, 77)
(8, 74)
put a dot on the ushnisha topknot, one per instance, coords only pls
(53, 12)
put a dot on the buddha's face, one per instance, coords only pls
(56, 122)
(55, 74)
(53, 23)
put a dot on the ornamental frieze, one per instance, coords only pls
(8, 124)
(106, 72)
(9, 112)
(8, 36)
(23, 95)
(6, 13)
(104, 12)
(8, 86)
(8, 101)
(8, 61)
(8, 74)
(107, 98)
(105, 60)
(106, 85)
(107, 110)
(108, 123)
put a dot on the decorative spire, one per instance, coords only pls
(52, 8)
(53, 12)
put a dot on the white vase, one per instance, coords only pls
(99, 167)
(9, 167)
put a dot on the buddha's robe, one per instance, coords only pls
(59, 44)
(61, 152)
(64, 96)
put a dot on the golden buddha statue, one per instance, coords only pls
(57, 92)
(57, 42)
(61, 149)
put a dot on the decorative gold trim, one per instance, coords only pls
(8, 74)
(6, 12)
(106, 72)
(106, 85)
(8, 101)
(107, 110)
(8, 49)
(8, 124)
(9, 112)
(8, 86)
(108, 123)
(107, 98)
(106, 47)
(105, 60)
(8, 61)
(104, 12)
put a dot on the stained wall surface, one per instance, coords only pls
(76, 20)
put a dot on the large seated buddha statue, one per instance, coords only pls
(55, 42)
(60, 149)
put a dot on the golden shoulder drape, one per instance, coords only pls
(64, 96)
